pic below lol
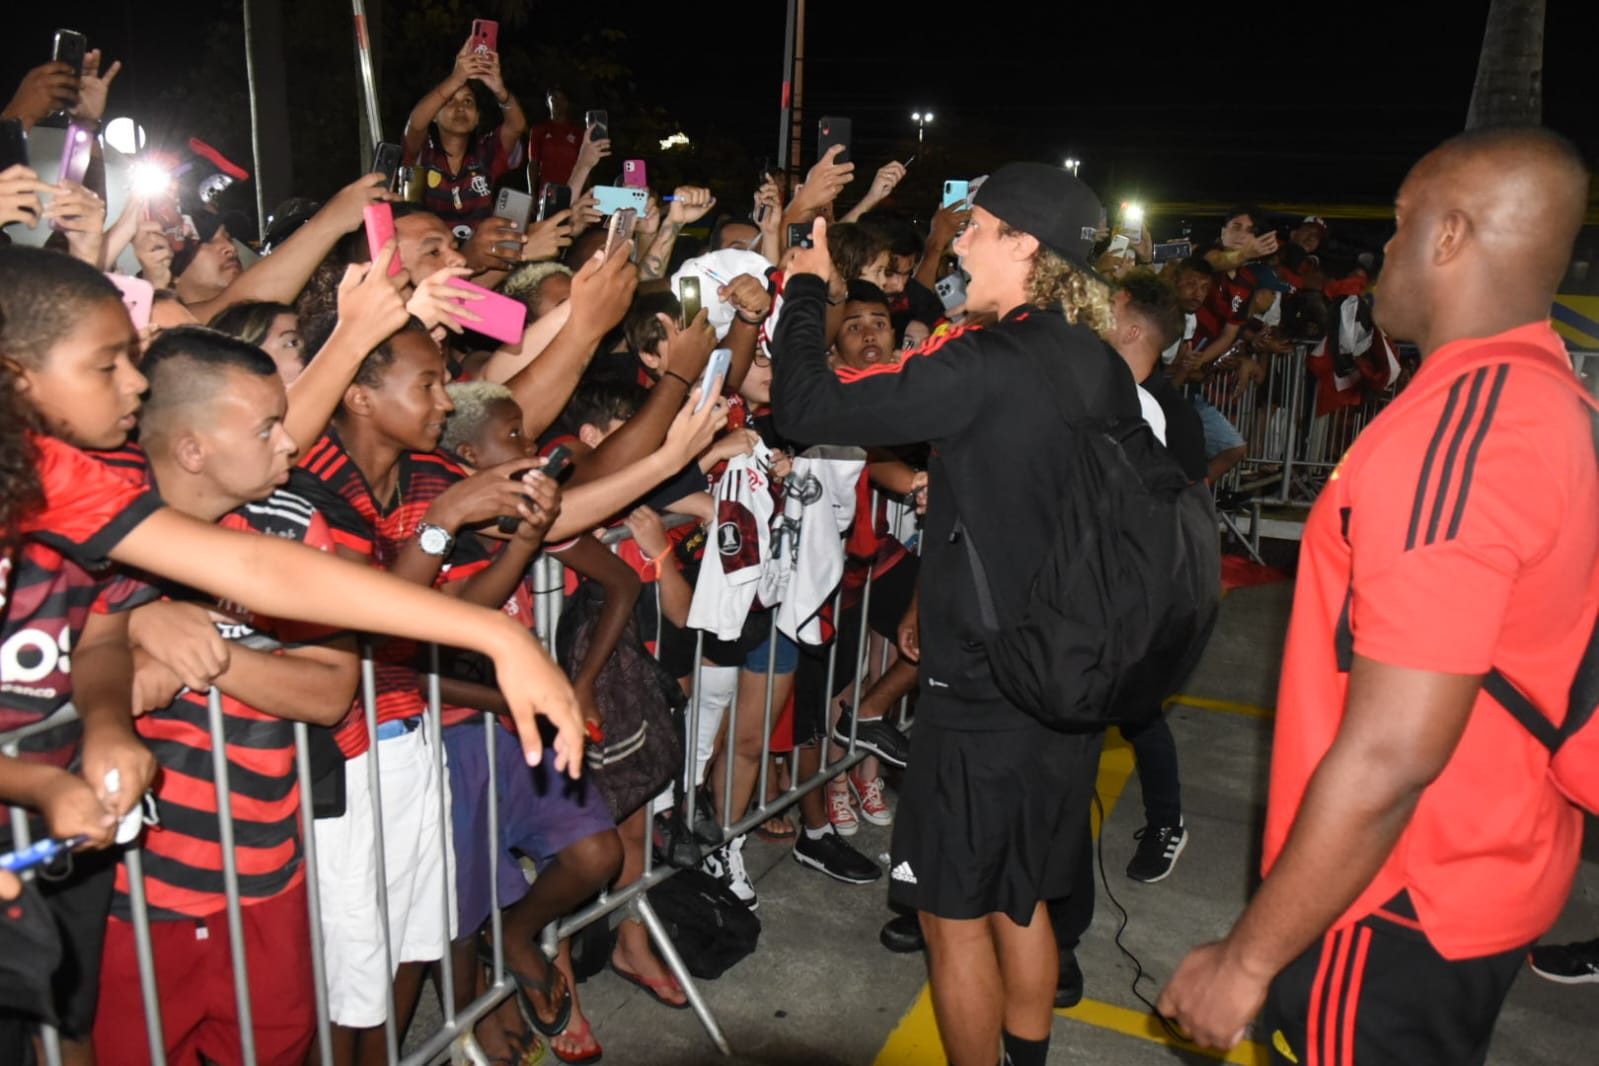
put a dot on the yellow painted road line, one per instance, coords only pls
(1142, 1025)
(914, 1041)
(1246, 709)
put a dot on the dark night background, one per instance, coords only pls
(1164, 103)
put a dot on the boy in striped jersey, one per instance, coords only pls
(213, 432)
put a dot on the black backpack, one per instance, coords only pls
(711, 928)
(1125, 599)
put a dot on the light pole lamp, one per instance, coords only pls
(923, 119)
(1072, 163)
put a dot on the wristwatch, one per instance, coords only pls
(433, 540)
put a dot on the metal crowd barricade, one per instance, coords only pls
(457, 1023)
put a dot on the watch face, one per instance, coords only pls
(433, 540)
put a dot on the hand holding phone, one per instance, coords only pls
(557, 467)
(799, 235)
(138, 296)
(553, 199)
(831, 131)
(485, 36)
(609, 199)
(502, 317)
(70, 48)
(386, 161)
(955, 192)
(600, 123)
(514, 206)
(634, 174)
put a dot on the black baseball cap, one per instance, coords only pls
(1049, 202)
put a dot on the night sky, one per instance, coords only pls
(1163, 102)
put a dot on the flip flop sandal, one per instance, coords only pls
(590, 1050)
(654, 986)
(788, 832)
(526, 984)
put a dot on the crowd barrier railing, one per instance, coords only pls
(456, 1028)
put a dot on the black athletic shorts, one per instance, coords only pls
(1377, 992)
(892, 592)
(991, 821)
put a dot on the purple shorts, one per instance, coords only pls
(540, 812)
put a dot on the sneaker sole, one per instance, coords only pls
(842, 740)
(1561, 979)
(820, 867)
(1170, 866)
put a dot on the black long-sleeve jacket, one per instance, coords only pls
(983, 401)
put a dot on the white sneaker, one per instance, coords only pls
(738, 878)
(840, 812)
(869, 794)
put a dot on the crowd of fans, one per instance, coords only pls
(336, 392)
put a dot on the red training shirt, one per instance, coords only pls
(1460, 533)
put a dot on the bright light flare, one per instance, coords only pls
(149, 181)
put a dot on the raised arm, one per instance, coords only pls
(416, 124)
(283, 579)
(279, 277)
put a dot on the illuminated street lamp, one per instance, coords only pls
(1072, 164)
(923, 119)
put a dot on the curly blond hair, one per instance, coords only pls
(1053, 284)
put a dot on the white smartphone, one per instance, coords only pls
(717, 367)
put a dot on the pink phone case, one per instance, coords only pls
(380, 231)
(503, 318)
(138, 296)
(633, 174)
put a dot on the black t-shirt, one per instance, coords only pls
(1185, 434)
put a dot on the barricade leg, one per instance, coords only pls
(319, 966)
(230, 877)
(49, 1038)
(369, 700)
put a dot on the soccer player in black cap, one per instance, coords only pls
(995, 804)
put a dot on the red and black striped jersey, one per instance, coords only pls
(58, 577)
(1227, 305)
(329, 478)
(183, 854)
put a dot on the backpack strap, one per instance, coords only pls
(1585, 687)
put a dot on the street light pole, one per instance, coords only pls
(923, 119)
(1072, 164)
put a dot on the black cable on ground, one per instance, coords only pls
(1138, 967)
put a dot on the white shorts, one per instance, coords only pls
(419, 866)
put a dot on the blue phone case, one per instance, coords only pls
(955, 192)
(610, 199)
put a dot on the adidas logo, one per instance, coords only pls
(903, 872)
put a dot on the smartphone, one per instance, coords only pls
(485, 35)
(955, 192)
(70, 48)
(609, 199)
(764, 177)
(633, 174)
(553, 199)
(13, 144)
(558, 465)
(76, 149)
(831, 131)
(620, 229)
(164, 211)
(503, 318)
(380, 231)
(1173, 250)
(386, 161)
(514, 206)
(138, 296)
(599, 122)
(688, 295)
(1119, 244)
(951, 289)
(717, 367)
(799, 235)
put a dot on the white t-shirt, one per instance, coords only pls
(1151, 410)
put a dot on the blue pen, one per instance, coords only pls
(39, 853)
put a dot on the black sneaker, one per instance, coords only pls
(902, 934)
(1568, 964)
(1069, 984)
(830, 854)
(1158, 848)
(876, 735)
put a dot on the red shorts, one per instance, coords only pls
(194, 972)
